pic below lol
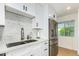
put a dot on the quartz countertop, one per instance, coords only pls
(5, 50)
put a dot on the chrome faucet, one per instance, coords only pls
(22, 33)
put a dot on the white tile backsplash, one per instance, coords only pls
(12, 31)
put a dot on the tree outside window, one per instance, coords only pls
(66, 28)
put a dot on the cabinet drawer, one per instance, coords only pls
(44, 50)
(36, 52)
(46, 42)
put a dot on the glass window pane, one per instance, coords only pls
(71, 33)
(66, 28)
(61, 30)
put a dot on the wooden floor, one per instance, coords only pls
(66, 52)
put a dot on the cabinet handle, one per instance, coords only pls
(45, 49)
(24, 7)
(45, 43)
(31, 55)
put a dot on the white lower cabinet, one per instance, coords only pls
(40, 49)
(45, 48)
(35, 51)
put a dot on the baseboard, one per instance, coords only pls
(67, 48)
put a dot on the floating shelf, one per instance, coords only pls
(19, 12)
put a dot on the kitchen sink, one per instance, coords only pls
(20, 43)
(28, 41)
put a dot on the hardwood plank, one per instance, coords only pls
(66, 52)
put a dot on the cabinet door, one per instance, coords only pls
(17, 6)
(37, 51)
(40, 49)
(34, 51)
(20, 51)
(45, 51)
(25, 7)
(30, 8)
(45, 48)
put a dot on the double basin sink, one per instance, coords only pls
(20, 43)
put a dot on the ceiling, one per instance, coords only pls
(61, 10)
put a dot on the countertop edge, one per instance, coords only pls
(20, 46)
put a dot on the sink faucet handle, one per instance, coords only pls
(28, 37)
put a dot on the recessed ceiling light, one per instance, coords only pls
(68, 8)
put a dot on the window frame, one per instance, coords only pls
(70, 25)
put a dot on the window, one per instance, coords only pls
(66, 28)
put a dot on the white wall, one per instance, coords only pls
(13, 25)
(51, 12)
(78, 31)
(2, 14)
(69, 42)
(45, 22)
(41, 12)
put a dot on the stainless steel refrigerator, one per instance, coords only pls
(53, 39)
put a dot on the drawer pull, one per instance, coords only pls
(31, 55)
(46, 43)
(45, 49)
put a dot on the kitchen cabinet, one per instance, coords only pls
(27, 8)
(18, 6)
(35, 51)
(40, 49)
(45, 49)
(2, 14)
(30, 8)
(19, 11)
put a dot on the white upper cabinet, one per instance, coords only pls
(30, 8)
(2, 14)
(21, 8)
